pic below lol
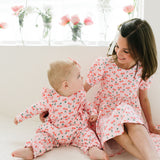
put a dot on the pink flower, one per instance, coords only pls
(88, 21)
(128, 9)
(16, 9)
(76, 25)
(3, 25)
(65, 20)
(75, 19)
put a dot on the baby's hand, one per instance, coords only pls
(43, 116)
(15, 121)
(93, 118)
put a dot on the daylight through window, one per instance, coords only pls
(64, 22)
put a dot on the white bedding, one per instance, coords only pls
(13, 137)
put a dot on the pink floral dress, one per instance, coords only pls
(117, 99)
(67, 122)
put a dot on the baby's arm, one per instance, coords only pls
(32, 111)
(92, 112)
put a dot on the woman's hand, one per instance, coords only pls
(93, 118)
(43, 116)
(87, 87)
(153, 129)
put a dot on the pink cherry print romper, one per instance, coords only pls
(117, 99)
(67, 122)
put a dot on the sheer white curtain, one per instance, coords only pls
(106, 16)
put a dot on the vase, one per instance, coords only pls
(105, 11)
(47, 33)
(77, 37)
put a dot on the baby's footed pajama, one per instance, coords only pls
(42, 142)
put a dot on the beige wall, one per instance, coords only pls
(151, 14)
(23, 75)
(23, 72)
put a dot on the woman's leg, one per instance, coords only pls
(140, 137)
(125, 141)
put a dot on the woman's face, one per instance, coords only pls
(123, 53)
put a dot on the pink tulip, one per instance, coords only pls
(88, 21)
(3, 25)
(16, 9)
(75, 19)
(128, 9)
(65, 20)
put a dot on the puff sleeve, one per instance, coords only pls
(145, 84)
(96, 72)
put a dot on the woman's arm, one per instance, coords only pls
(145, 104)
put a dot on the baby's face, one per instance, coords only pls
(75, 80)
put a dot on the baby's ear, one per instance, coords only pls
(65, 84)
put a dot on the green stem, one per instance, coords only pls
(21, 35)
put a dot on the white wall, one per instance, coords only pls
(24, 72)
(151, 14)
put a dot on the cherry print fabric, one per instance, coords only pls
(67, 122)
(117, 99)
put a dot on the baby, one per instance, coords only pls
(69, 112)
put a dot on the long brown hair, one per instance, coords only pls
(141, 42)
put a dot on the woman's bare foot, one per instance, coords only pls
(25, 153)
(97, 154)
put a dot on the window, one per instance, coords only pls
(105, 14)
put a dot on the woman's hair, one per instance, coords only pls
(59, 71)
(141, 42)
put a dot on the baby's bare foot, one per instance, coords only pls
(25, 153)
(97, 154)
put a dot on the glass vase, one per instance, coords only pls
(47, 33)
